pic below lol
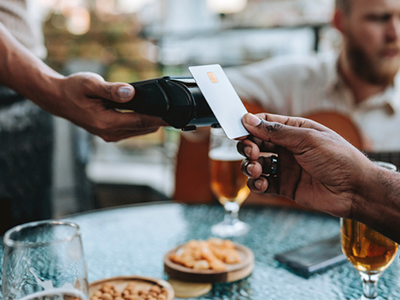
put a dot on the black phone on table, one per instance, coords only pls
(314, 257)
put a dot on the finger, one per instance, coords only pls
(128, 121)
(292, 121)
(289, 136)
(263, 185)
(258, 185)
(97, 87)
(252, 147)
(252, 169)
(118, 92)
(267, 165)
(248, 149)
(264, 146)
(122, 92)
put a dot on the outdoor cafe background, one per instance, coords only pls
(128, 41)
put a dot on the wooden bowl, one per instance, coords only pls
(233, 272)
(142, 283)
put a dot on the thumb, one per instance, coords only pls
(116, 91)
(96, 86)
(288, 136)
(121, 92)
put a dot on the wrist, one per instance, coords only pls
(46, 89)
(367, 192)
(376, 202)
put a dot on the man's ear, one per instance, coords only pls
(338, 20)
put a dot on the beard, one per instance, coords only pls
(376, 70)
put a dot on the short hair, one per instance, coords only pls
(343, 5)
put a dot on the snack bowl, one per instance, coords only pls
(233, 272)
(141, 283)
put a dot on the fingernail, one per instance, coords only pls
(252, 120)
(249, 169)
(124, 92)
(258, 184)
(247, 151)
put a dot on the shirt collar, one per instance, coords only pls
(390, 97)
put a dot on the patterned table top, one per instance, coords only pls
(132, 240)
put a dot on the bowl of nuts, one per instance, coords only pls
(214, 260)
(131, 288)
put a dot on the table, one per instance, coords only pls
(133, 239)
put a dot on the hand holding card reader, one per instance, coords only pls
(208, 99)
(176, 100)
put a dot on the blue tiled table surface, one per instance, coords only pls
(132, 240)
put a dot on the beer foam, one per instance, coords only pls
(225, 154)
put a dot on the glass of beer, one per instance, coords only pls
(369, 251)
(44, 261)
(228, 183)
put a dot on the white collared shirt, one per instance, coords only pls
(303, 85)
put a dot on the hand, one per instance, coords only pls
(316, 167)
(81, 98)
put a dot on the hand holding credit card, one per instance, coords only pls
(222, 99)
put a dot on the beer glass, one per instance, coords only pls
(369, 251)
(228, 183)
(44, 261)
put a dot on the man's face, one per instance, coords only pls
(372, 39)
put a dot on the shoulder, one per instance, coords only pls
(312, 64)
(314, 70)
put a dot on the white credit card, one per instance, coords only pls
(222, 98)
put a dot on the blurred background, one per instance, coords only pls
(132, 40)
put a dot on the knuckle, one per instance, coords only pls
(271, 127)
(87, 81)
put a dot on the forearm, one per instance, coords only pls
(378, 202)
(25, 73)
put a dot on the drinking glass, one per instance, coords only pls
(44, 260)
(369, 251)
(228, 183)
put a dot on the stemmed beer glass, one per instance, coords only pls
(369, 251)
(228, 183)
(44, 261)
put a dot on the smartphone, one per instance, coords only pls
(313, 258)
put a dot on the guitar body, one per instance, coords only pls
(342, 125)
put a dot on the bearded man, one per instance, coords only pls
(360, 85)
(361, 82)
